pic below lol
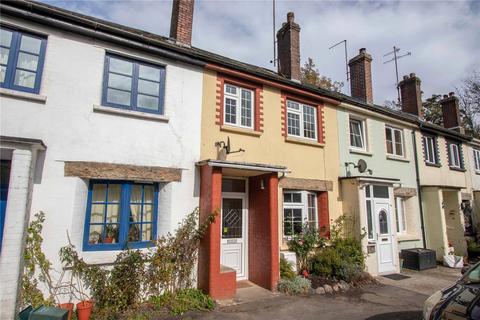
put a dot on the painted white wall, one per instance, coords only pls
(72, 131)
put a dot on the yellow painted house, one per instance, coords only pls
(269, 164)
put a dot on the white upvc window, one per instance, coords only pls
(476, 159)
(400, 215)
(238, 106)
(357, 134)
(301, 120)
(430, 150)
(394, 140)
(454, 157)
(299, 208)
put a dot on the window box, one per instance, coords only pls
(133, 85)
(120, 215)
(22, 57)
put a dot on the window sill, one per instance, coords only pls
(130, 113)
(397, 158)
(477, 172)
(248, 132)
(312, 143)
(457, 169)
(437, 165)
(407, 237)
(358, 151)
(23, 95)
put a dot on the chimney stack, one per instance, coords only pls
(182, 21)
(411, 95)
(288, 44)
(361, 76)
(451, 112)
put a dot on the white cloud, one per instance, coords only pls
(443, 37)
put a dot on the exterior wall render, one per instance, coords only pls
(72, 83)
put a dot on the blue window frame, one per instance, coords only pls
(120, 215)
(21, 60)
(134, 85)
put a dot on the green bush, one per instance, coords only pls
(286, 269)
(304, 243)
(295, 286)
(343, 259)
(183, 300)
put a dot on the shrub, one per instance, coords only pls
(304, 243)
(297, 285)
(286, 269)
(183, 300)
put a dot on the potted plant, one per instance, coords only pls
(94, 237)
(110, 233)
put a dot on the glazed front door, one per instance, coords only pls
(233, 246)
(386, 258)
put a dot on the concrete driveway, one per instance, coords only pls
(392, 299)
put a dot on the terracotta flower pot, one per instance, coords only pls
(84, 309)
(108, 240)
(67, 306)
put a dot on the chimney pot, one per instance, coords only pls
(411, 95)
(451, 94)
(361, 76)
(288, 44)
(445, 96)
(182, 21)
(290, 17)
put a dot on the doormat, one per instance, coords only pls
(396, 276)
(244, 284)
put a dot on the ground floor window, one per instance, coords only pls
(400, 215)
(299, 208)
(120, 215)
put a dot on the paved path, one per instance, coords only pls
(399, 300)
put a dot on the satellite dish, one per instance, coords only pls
(227, 147)
(362, 166)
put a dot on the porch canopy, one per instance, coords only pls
(262, 252)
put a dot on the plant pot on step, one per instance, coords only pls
(67, 306)
(84, 310)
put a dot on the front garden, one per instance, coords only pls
(324, 265)
(140, 284)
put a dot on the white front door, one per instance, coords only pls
(385, 245)
(234, 222)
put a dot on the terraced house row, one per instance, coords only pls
(117, 134)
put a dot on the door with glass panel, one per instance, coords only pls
(234, 224)
(385, 248)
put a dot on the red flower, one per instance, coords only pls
(305, 273)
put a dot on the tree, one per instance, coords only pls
(469, 98)
(311, 75)
(432, 110)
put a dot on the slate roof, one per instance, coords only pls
(22, 8)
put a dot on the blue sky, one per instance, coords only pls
(443, 36)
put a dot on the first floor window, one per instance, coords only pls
(21, 60)
(239, 104)
(400, 215)
(476, 159)
(299, 209)
(454, 157)
(134, 85)
(120, 215)
(357, 134)
(394, 140)
(430, 149)
(301, 120)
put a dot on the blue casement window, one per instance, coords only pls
(120, 215)
(133, 85)
(21, 60)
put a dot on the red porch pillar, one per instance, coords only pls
(323, 214)
(263, 248)
(217, 283)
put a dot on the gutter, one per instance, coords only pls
(417, 173)
(95, 31)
